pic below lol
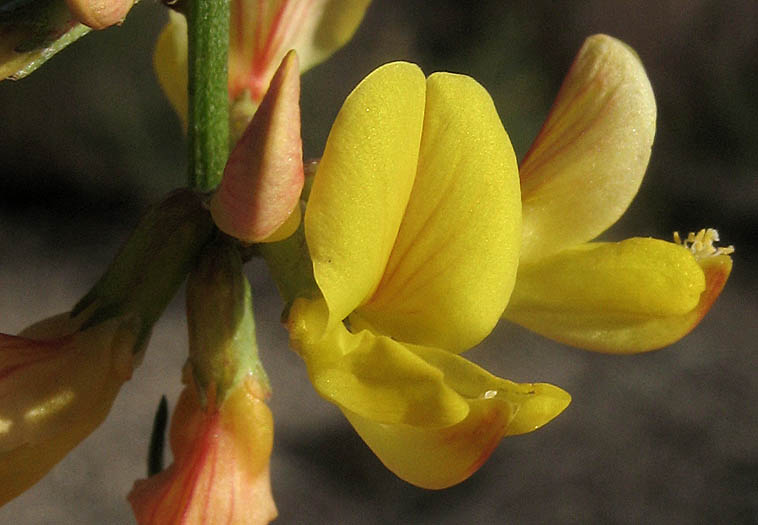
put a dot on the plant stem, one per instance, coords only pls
(208, 35)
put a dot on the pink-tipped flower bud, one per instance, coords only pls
(258, 198)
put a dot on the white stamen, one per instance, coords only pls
(701, 243)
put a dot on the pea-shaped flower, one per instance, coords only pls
(222, 430)
(413, 226)
(579, 177)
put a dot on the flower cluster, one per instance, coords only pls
(420, 233)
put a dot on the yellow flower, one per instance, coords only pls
(578, 178)
(261, 33)
(57, 384)
(413, 227)
(220, 472)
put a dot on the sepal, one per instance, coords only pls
(152, 263)
(222, 343)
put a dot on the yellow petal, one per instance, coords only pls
(264, 174)
(633, 296)
(587, 162)
(373, 376)
(532, 404)
(454, 263)
(170, 63)
(436, 458)
(363, 184)
(263, 31)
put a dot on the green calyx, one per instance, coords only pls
(156, 258)
(222, 345)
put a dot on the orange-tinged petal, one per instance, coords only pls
(22, 467)
(220, 472)
(626, 326)
(263, 177)
(437, 458)
(587, 162)
(52, 375)
(454, 262)
(363, 184)
(532, 404)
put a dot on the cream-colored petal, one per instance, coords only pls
(624, 302)
(48, 383)
(587, 162)
(453, 265)
(363, 183)
(57, 387)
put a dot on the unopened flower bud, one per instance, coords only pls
(258, 198)
(99, 14)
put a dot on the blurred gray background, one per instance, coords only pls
(88, 142)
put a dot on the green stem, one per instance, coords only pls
(208, 34)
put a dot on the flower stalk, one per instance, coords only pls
(208, 131)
